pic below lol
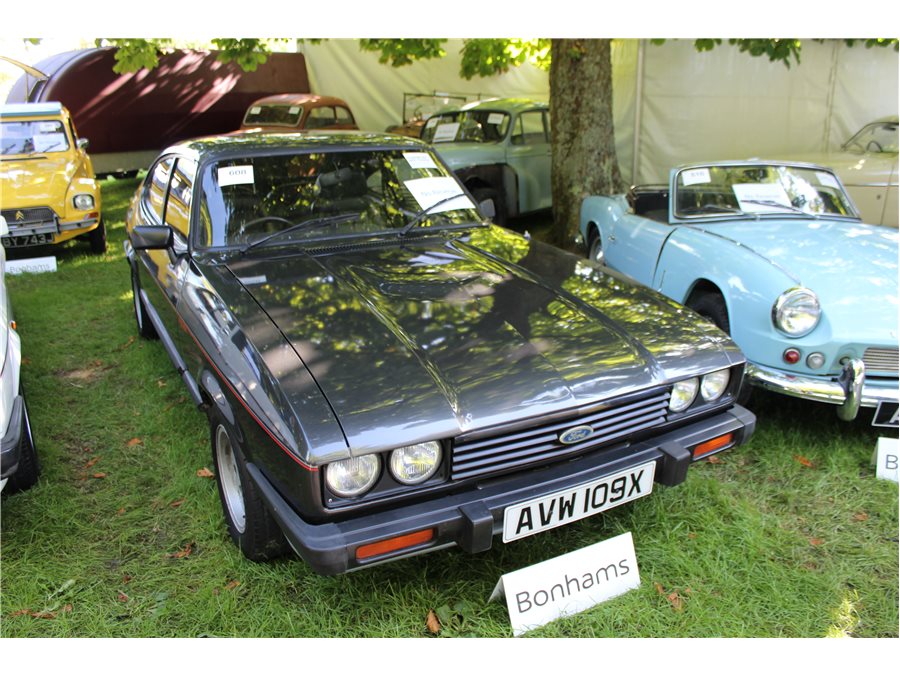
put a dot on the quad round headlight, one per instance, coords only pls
(352, 477)
(683, 394)
(414, 464)
(83, 202)
(796, 312)
(713, 385)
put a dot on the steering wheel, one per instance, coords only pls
(877, 145)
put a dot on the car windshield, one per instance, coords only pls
(472, 126)
(315, 195)
(274, 114)
(33, 137)
(759, 189)
(875, 137)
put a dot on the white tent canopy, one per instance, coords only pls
(672, 104)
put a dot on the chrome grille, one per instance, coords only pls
(541, 444)
(28, 217)
(881, 360)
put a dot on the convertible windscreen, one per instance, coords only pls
(294, 197)
(714, 191)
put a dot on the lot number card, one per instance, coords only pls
(569, 584)
(887, 454)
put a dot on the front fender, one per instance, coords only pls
(749, 284)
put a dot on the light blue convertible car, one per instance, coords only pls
(774, 254)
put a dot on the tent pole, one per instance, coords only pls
(829, 108)
(638, 104)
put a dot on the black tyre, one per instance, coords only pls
(29, 467)
(249, 522)
(712, 307)
(595, 248)
(484, 194)
(97, 239)
(145, 327)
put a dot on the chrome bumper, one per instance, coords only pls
(50, 227)
(849, 392)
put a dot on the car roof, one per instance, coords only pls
(509, 105)
(31, 109)
(298, 99)
(890, 119)
(254, 142)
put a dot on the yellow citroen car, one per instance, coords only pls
(48, 192)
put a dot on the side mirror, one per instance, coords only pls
(487, 209)
(83, 144)
(151, 237)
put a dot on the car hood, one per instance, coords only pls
(429, 338)
(36, 181)
(461, 155)
(850, 266)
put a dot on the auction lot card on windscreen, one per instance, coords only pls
(430, 191)
(749, 194)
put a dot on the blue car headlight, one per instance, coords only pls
(796, 312)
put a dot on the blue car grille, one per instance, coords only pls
(881, 360)
(540, 444)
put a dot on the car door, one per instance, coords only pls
(528, 155)
(166, 200)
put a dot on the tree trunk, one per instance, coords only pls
(584, 158)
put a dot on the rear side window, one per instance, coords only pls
(343, 115)
(319, 118)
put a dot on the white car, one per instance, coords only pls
(867, 166)
(18, 459)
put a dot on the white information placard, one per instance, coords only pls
(569, 584)
(429, 191)
(827, 179)
(695, 176)
(236, 175)
(495, 118)
(47, 142)
(887, 453)
(749, 193)
(419, 160)
(33, 265)
(445, 132)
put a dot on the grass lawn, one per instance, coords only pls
(790, 535)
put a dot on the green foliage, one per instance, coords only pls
(484, 57)
(248, 53)
(132, 54)
(402, 52)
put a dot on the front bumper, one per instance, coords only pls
(471, 518)
(849, 391)
(10, 447)
(58, 231)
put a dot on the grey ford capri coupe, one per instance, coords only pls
(387, 373)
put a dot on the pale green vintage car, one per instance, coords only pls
(500, 149)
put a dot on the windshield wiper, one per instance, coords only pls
(770, 202)
(424, 213)
(308, 224)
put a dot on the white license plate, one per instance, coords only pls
(14, 241)
(886, 415)
(567, 506)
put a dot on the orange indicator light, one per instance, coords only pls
(716, 443)
(394, 544)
